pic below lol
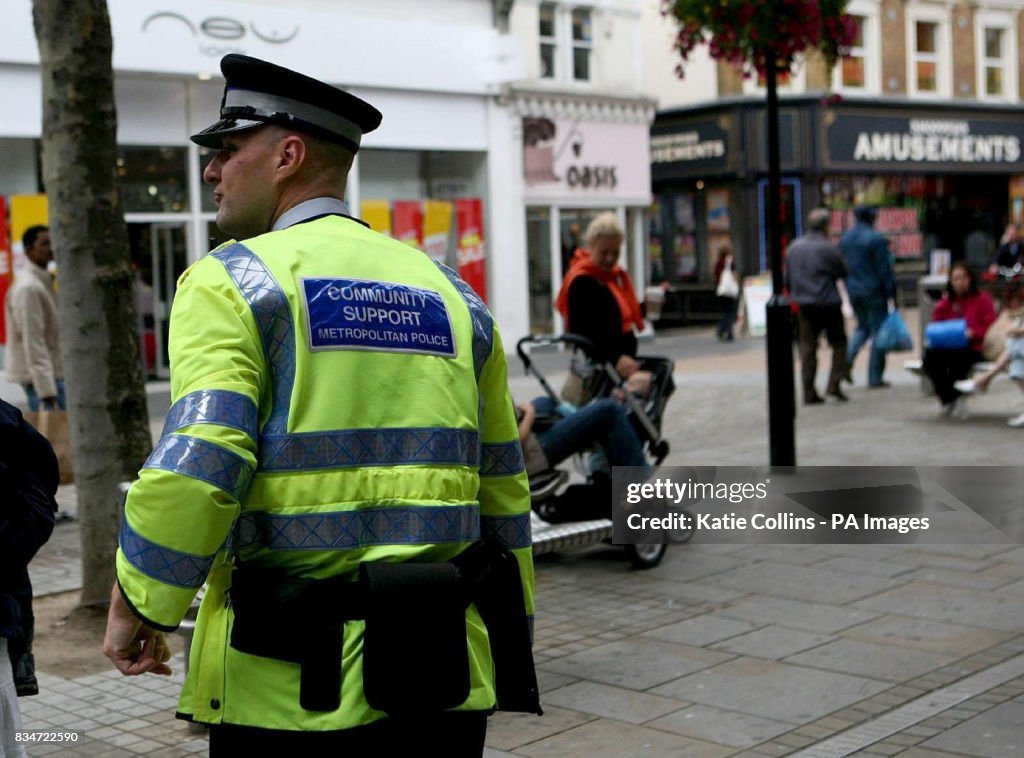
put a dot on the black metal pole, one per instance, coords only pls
(781, 397)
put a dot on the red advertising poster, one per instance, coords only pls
(471, 250)
(407, 222)
(6, 265)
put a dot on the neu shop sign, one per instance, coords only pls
(213, 32)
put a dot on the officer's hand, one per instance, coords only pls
(133, 647)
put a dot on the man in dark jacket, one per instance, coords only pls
(870, 285)
(813, 266)
(28, 483)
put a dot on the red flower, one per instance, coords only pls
(746, 31)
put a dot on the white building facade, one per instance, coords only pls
(579, 124)
(531, 113)
(435, 73)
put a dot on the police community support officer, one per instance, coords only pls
(340, 464)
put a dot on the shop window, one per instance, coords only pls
(153, 179)
(996, 41)
(673, 238)
(994, 62)
(566, 40)
(926, 57)
(930, 51)
(548, 43)
(854, 64)
(860, 71)
(538, 245)
(582, 42)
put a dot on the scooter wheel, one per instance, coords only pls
(647, 555)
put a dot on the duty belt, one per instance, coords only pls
(301, 621)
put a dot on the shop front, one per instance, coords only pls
(695, 168)
(580, 158)
(425, 176)
(945, 177)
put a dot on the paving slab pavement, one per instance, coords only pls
(723, 649)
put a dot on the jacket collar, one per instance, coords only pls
(309, 209)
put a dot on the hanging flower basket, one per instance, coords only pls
(746, 32)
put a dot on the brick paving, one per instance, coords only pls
(719, 651)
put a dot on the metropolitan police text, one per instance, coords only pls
(374, 315)
(667, 490)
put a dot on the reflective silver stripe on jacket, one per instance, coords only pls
(508, 531)
(199, 459)
(220, 407)
(483, 323)
(383, 525)
(274, 320)
(344, 530)
(162, 563)
(502, 459)
(347, 448)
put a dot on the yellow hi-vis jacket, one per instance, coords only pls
(337, 398)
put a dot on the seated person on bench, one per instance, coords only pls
(1013, 358)
(944, 367)
(602, 422)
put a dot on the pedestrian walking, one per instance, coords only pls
(813, 267)
(340, 465)
(33, 357)
(871, 287)
(727, 288)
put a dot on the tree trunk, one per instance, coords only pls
(110, 436)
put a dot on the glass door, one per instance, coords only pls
(538, 245)
(159, 256)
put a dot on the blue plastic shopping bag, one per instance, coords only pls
(892, 336)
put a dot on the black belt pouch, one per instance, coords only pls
(415, 653)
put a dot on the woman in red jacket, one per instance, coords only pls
(944, 367)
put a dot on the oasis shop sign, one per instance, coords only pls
(964, 144)
(569, 157)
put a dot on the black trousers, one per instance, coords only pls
(813, 320)
(452, 734)
(947, 366)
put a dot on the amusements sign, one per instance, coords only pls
(953, 144)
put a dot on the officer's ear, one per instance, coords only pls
(291, 155)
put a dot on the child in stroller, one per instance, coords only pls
(611, 426)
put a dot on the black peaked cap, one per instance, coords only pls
(257, 92)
